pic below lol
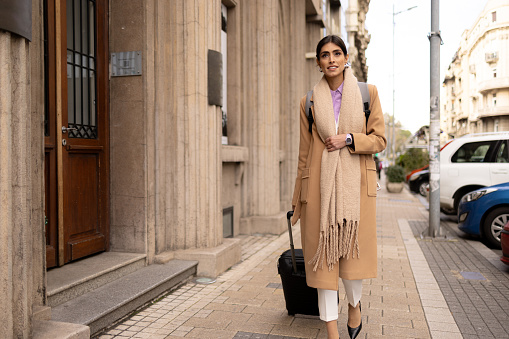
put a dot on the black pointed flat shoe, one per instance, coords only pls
(354, 332)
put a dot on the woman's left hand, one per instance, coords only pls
(335, 142)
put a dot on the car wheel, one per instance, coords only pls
(422, 188)
(493, 225)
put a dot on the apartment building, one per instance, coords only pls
(475, 96)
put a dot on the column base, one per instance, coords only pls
(211, 261)
(273, 224)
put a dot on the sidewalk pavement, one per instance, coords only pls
(404, 301)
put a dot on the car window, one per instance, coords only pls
(503, 153)
(472, 152)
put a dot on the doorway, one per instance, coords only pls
(76, 129)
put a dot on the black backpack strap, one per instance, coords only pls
(307, 110)
(365, 99)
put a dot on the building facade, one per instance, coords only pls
(475, 96)
(161, 128)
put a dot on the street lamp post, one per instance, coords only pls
(393, 76)
(434, 123)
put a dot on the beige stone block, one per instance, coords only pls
(234, 153)
(41, 313)
(263, 328)
(311, 322)
(294, 331)
(265, 311)
(271, 319)
(44, 329)
(211, 333)
(391, 331)
(213, 261)
(275, 224)
(446, 335)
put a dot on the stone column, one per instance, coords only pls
(293, 87)
(261, 108)
(15, 188)
(190, 166)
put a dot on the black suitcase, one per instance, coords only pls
(299, 297)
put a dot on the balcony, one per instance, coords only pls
(493, 111)
(494, 83)
(491, 57)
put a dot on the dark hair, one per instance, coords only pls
(335, 40)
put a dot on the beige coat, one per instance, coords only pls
(306, 198)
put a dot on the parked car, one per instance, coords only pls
(504, 241)
(415, 171)
(472, 162)
(418, 181)
(484, 212)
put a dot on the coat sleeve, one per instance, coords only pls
(373, 141)
(305, 140)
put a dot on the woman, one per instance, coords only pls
(336, 176)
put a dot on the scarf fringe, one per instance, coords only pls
(337, 242)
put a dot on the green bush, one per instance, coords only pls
(395, 173)
(413, 158)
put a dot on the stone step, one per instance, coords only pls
(77, 278)
(107, 304)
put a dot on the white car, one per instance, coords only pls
(471, 162)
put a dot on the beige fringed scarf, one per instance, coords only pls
(340, 176)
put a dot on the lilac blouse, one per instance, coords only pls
(337, 95)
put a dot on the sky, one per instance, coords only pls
(412, 52)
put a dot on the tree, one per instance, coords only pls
(402, 136)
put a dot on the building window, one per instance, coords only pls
(228, 222)
(494, 101)
(495, 72)
(493, 16)
(224, 138)
(495, 125)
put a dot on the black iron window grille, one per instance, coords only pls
(81, 69)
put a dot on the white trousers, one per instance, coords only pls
(328, 299)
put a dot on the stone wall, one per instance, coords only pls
(21, 155)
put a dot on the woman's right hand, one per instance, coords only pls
(335, 142)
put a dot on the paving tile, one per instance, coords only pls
(294, 331)
(210, 333)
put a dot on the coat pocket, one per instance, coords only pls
(371, 177)
(304, 186)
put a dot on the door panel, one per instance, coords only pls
(500, 166)
(84, 129)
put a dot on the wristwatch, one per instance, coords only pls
(349, 139)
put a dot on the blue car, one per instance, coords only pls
(484, 212)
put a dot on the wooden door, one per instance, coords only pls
(81, 128)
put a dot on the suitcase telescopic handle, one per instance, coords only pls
(289, 216)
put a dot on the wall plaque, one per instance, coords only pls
(126, 63)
